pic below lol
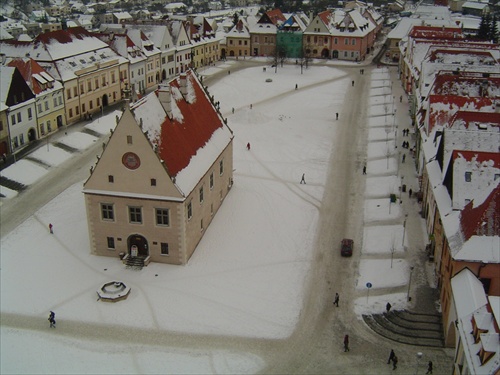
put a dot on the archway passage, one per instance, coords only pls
(59, 121)
(137, 245)
(105, 100)
(31, 135)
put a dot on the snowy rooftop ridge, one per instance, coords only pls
(477, 323)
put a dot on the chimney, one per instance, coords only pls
(165, 98)
(183, 84)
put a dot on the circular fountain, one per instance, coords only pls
(113, 291)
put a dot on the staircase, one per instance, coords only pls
(408, 327)
(134, 263)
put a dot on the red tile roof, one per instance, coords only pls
(470, 119)
(479, 156)
(483, 220)
(28, 67)
(181, 140)
(275, 16)
(430, 32)
(63, 36)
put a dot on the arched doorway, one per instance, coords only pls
(137, 245)
(223, 53)
(325, 53)
(105, 100)
(163, 75)
(31, 135)
(231, 53)
(59, 120)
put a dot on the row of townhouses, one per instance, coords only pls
(454, 90)
(83, 72)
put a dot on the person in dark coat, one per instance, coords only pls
(391, 356)
(346, 343)
(248, 146)
(336, 300)
(52, 319)
(429, 368)
(51, 230)
(394, 363)
(388, 307)
(303, 180)
(364, 169)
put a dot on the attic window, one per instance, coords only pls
(468, 176)
(92, 58)
(497, 176)
(129, 139)
(72, 63)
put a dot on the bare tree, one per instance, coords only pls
(304, 58)
(278, 57)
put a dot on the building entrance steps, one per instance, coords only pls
(408, 327)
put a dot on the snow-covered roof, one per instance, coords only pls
(481, 249)
(477, 324)
(474, 5)
(468, 293)
(6, 74)
(193, 134)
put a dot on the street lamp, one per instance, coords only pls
(419, 357)
(401, 187)
(408, 298)
(404, 230)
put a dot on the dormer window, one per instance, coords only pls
(468, 176)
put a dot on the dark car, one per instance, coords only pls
(346, 247)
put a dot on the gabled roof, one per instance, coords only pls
(468, 292)
(483, 220)
(275, 16)
(194, 134)
(35, 76)
(6, 74)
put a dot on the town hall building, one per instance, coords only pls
(162, 176)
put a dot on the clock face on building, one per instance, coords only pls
(131, 160)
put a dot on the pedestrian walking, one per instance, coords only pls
(336, 116)
(250, 106)
(346, 343)
(410, 193)
(364, 169)
(352, 83)
(404, 157)
(4, 158)
(394, 363)
(303, 180)
(296, 86)
(336, 300)
(401, 99)
(228, 72)
(52, 319)
(248, 146)
(233, 110)
(388, 307)
(429, 368)
(51, 230)
(391, 356)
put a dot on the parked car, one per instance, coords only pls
(346, 247)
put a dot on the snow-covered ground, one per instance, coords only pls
(246, 278)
